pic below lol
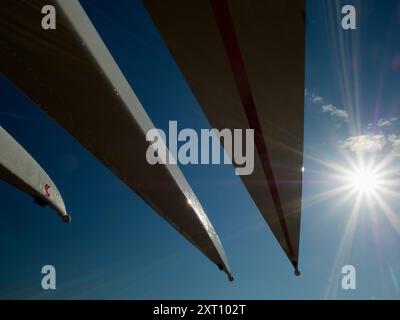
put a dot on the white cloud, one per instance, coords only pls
(382, 123)
(314, 97)
(365, 143)
(317, 99)
(335, 112)
(372, 144)
(394, 140)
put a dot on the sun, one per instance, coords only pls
(364, 180)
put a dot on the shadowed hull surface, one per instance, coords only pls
(244, 61)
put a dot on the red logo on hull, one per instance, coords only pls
(46, 189)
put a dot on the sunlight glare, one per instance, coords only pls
(364, 180)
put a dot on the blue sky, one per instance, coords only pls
(118, 248)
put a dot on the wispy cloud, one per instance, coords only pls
(382, 123)
(382, 139)
(335, 112)
(372, 144)
(317, 99)
(394, 140)
(365, 143)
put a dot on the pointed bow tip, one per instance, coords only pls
(66, 218)
(297, 272)
(229, 274)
